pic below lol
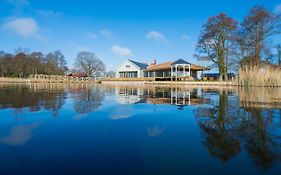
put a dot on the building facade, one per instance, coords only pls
(131, 69)
(178, 68)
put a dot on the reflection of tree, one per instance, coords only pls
(21, 96)
(53, 101)
(89, 100)
(218, 129)
(262, 145)
(228, 127)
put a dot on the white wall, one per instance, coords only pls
(127, 66)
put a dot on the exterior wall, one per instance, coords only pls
(130, 70)
(127, 66)
(193, 73)
(167, 73)
(142, 73)
(161, 73)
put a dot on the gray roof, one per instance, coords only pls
(181, 61)
(140, 65)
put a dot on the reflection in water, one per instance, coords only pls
(227, 127)
(129, 94)
(232, 121)
(263, 145)
(19, 135)
(218, 123)
(51, 97)
(260, 97)
(88, 99)
(121, 112)
(159, 95)
(155, 131)
(34, 97)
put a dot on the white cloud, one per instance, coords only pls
(24, 27)
(157, 36)
(106, 33)
(277, 9)
(83, 49)
(91, 35)
(48, 13)
(122, 51)
(185, 37)
(18, 3)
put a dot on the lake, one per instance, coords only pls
(137, 129)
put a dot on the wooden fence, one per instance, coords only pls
(61, 78)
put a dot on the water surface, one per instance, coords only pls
(122, 129)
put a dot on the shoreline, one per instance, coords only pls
(193, 83)
(186, 83)
(37, 80)
(166, 83)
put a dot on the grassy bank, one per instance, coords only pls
(14, 80)
(41, 80)
(260, 76)
(257, 76)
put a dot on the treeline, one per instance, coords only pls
(22, 64)
(228, 44)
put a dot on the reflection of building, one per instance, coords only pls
(129, 95)
(177, 96)
(180, 97)
(157, 95)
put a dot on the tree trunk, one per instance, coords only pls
(220, 74)
(221, 64)
(226, 63)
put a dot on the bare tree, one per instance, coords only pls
(22, 50)
(89, 63)
(214, 43)
(2, 53)
(256, 29)
(36, 59)
(110, 74)
(55, 63)
(22, 64)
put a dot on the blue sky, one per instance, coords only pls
(115, 30)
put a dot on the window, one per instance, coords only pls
(128, 66)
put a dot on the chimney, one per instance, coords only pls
(154, 62)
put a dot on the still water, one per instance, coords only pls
(122, 129)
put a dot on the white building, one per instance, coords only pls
(178, 68)
(131, 69)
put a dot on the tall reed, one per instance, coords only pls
(260, 76)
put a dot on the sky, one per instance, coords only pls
(142, 30)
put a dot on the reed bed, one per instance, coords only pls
(266, 76)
